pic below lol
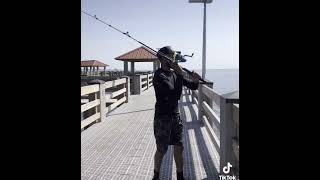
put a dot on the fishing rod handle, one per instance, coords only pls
(188, 71)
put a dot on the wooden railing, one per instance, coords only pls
(93, 73)
(221, 119)
(150, 78)
(102, 73)
(99, 99)
(141, 82)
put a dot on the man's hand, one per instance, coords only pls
(195, 76)
(176, 67)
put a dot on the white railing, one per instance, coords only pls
(221, 120)
(102, 73)
(93, 73)
(141, 82)
(99, 99)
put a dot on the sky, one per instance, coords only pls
(159, 23)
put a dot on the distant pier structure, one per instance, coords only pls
(91, 67)
(140, 54)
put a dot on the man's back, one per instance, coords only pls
(168, 88)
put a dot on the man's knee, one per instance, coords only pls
(178, 148)
(162, 148)
(159, 154)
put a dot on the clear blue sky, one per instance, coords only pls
(158, 23)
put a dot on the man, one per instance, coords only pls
(167, 123)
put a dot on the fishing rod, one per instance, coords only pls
(178, 55)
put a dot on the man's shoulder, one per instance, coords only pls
(159, 73)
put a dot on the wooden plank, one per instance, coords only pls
(89, 89)
(143, 82)
(195, 101)
(212, 135)
(143, 76)
(211, 114)
(235, 147)
(117, 93)
(236, 113)
(111, 100)
(110, 95)
(114, 83)
(83, 101)
(89, 120)
(209, 92)
(142, 89)
(114, 105)
(90, 105)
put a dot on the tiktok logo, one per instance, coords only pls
(226, 170)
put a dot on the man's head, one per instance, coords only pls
(167, 51)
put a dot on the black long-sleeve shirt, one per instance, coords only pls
(168, 89)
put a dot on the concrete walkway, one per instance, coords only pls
(122, 146)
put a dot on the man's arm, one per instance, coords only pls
(192, 82)
(161, 82)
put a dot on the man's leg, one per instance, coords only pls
(158, 156)
(178, 147)
(178, 157)
(162, 141)
(157, 160)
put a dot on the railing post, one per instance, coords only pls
(227, 129)
(200, 100)
(136, 84)
(148, 81)
(102, 94)
(207, 99)
(235, 144)
(140, 89)
(127, 86)
(225, 133)
(192, 96)
(151, 79)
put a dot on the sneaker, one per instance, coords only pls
(155, 176)
(180, 176)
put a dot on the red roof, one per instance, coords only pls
(141, 54)
(92, 63)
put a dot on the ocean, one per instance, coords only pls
(225, 80)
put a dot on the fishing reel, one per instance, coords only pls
(181, 58)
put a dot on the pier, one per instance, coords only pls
(117, 139)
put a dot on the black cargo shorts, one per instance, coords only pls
(168, 130)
